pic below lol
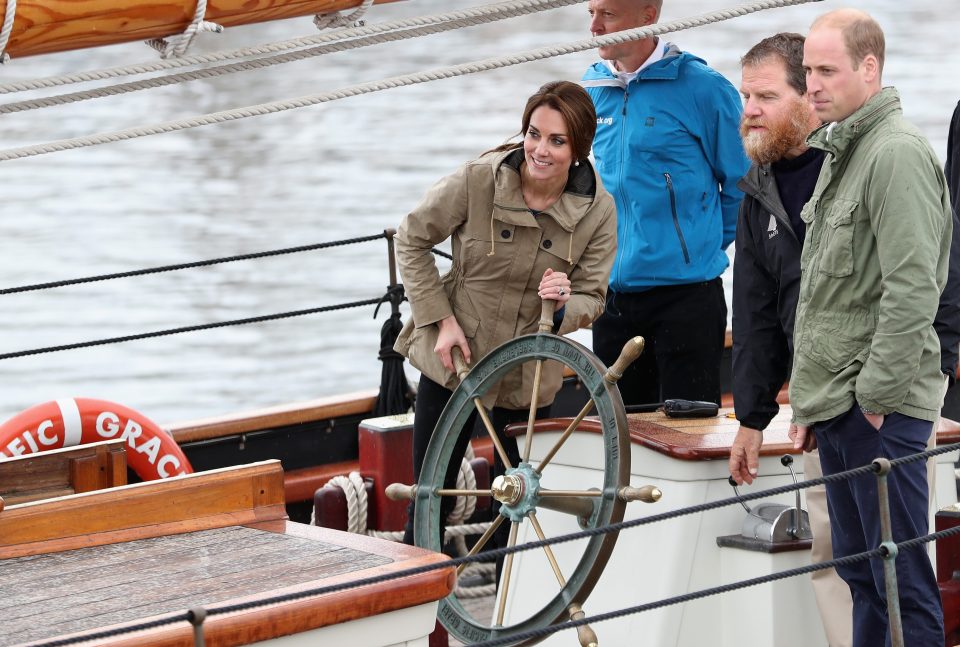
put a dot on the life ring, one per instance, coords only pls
(151, 452)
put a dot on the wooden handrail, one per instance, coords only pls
(349, 404)
(213, 499)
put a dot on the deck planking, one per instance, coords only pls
(84, 589)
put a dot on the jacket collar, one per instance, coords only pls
(577, 197)
(760, 183)
(838, 136)
(667, 68)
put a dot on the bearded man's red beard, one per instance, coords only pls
(772, 144)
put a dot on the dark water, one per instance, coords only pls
(343, 169)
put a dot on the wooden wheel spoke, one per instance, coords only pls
(531, 418)
(566, 434)
(444, 492)
(505, 579)
(484, 538)
(546, 549)
(493, 434)
(547, 494)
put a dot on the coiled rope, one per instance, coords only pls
(465, 17)
(393, 82)
(355, 492)
(521, 8)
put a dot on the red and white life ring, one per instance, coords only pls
(151, 452)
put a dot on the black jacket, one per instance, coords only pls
(947, 322)
(766, 285)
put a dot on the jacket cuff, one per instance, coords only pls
(758, 422)
(431, 310)
(866, 404)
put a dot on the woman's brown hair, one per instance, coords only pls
(576, 106)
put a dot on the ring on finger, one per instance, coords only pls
(561, 291)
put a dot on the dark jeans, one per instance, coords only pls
(849, 441)
(683, 327)
(431, 399)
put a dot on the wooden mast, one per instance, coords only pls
(44, 26)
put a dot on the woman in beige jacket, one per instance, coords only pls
(528, 221)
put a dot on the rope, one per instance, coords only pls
(177, 46)
(334, 19)
(356, 492)
(175, 331)
(506, 9)
(194, 264)
(500, 552)
(10, 14)
(171, 79)
(392, 82)
(457, 561)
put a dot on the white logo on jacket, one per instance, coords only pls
(772, 228)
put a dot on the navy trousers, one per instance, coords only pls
(849, 441)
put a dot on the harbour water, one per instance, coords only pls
(343, 169)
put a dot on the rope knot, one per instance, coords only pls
(334, 20)
(177, 46)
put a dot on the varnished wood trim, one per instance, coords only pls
(43, 26)
(214, 499)
(948, 433)
(63, 471)
(350, 404)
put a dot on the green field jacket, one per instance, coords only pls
(872, 269)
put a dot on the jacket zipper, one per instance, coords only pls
(676, 219)
(617, 271)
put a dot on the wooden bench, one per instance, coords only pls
(60, 472)
(153, 550)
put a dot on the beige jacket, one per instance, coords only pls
(500, 252)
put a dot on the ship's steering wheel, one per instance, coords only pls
(527, 487)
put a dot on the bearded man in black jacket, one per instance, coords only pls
(776, 120)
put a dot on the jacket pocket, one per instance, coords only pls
(836, 257)
(832, 350)
(676, 218)
(463, 308)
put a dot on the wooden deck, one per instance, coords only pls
(149, 551)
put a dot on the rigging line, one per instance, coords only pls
(392, 82)
(175, 331)
(270, 48)
(486, 556)
(268, 61)
(549, 630)
(193, 264)
(9, 16)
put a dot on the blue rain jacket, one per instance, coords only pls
(668, 148)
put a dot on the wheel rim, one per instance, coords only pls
(607, 508)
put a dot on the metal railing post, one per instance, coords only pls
(197, 616)
(894, 623)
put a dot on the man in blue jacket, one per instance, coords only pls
(668, 148)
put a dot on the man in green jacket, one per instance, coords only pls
(866, 378)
